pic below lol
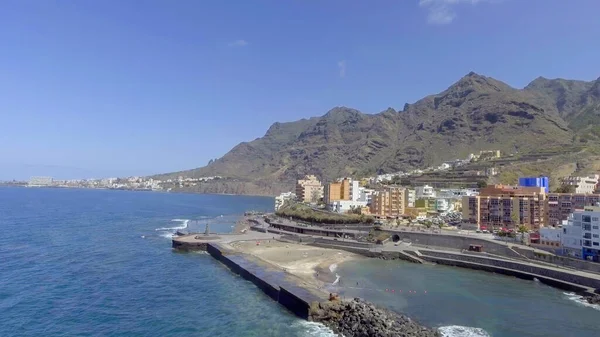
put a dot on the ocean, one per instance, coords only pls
(76, 262)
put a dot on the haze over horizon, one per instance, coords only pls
(112, 88)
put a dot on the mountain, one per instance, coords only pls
(578, 102)
(475, 113)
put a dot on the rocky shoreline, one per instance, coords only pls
(358, 318)
(593, 299)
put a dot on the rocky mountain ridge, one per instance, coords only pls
(475, 113)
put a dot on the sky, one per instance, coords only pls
(121, 87)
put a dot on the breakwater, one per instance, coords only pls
(274, 283)
(352, 319)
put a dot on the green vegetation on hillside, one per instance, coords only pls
(305, 213)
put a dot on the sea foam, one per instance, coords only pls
(462, 331)
(581, 301)
(169, 232)
(313, 329)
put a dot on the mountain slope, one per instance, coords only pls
(475, 113)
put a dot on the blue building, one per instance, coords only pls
(535, 182)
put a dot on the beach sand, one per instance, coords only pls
(313, 265)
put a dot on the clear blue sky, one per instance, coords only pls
(109, 88)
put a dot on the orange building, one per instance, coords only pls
(389, 202)
(502, 206)
(337, 191)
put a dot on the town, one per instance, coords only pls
(551, 219)
(129, 183)
(554, 221)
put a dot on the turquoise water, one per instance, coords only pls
(92, 263)
(469, 303)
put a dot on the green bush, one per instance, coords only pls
(305, 213)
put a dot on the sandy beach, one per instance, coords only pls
(314, 265)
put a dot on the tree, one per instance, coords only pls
(481, 184)
(428, 224)
(523, 229)
(516, 218)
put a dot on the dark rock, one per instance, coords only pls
(360, 318)
(594, 299)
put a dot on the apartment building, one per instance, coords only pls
(389, 202)
(309, 189)
(581, 235)
(503, 206)
(561, 205)
(583, 185)
(338, 191)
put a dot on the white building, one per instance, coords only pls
(365, 194)
(282, 198)
(550, 236)
(581, 236)
(456, 193)
(583, 185)
(345, 206)
(354, 190)
(444, 167)
(423, 192)
(442, 205)
(411, 198)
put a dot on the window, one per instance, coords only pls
(596, 236)
(587, 235)
(587, 243)
(596, 244)
(595, 219)
(595, 227)
(587, 227)
(586, 218)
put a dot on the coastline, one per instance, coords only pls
(297, 284)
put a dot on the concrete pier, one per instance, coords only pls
(274, 282)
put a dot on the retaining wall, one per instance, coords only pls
(560, 260)
(344, 243)
(534, 271)
(274, 283)
(455, 242)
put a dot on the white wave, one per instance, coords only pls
(167, 235)
(169, 232)
(581, 301)
(184, 225)
(337, 280)
(462, 331)
(333, 267)
(314, 329)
